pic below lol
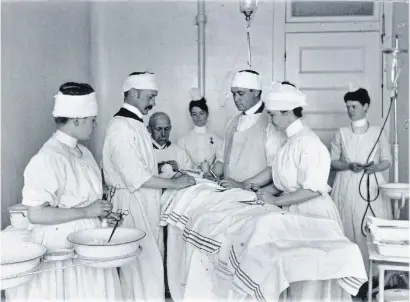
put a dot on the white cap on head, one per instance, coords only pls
(195, 94)
(145, 81)
(248, 80)
(75, 106)
(284, 97)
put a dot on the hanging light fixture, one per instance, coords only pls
(248, 8)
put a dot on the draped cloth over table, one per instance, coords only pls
(128, 162)
(237, 239)
(65, 175)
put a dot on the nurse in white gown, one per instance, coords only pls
(300, 172)
(200, 143)
(63, 190)
(350, 152)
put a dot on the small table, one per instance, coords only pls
(384, 263)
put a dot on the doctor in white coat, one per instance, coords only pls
(129, 164)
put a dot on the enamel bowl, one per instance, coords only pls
(92, 249)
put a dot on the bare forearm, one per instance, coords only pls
(271, 189)
(296, 197)
(261, 179)
(52, 215)
(218, 169)
(382, 166)
(339, 165)
(159, 183)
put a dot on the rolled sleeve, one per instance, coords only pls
(43, 177)
(336, 147)
(385, 153)
(314, 166)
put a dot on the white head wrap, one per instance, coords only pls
(75, 106)
(284, 97)
(247, 80)
(145, 81)
(195, 94)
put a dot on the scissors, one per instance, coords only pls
(121, 213)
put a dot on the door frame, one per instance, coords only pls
(280, 28)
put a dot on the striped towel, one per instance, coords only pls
(277, 249)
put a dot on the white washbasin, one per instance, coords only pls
(91, 246)
(18, 257)
(396, 190)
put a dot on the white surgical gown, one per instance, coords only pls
(65, 177)
(200, 144)
(303, 162)
(128, 162)
(355, 147)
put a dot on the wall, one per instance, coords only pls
(135, 36)
(44, 44)
(401, 27)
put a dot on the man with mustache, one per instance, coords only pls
(130, 166)
(159, 126)
(251, 141)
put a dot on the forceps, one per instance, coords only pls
(121, 213)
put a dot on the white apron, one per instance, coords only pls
(128, 162)
(244, 154)
(200, 145)
(59, 176)
(352, 147)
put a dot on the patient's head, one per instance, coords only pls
(159, 126)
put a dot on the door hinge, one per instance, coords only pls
(285, 56)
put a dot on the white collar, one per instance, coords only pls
(66, 139)
(253, 109)
(133, 109)
(359, 123)
(294, 128)
(158, 145)
(200, 130)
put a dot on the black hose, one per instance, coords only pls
(368, 199)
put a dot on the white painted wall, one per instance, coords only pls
(43, 45)
(162, 37)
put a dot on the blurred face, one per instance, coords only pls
(160, 130)
(355, 110)
(144, 100)
(85, 127)
(244, 98)
(280, 120)
(199, 116)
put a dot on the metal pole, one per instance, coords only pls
(200, 21)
